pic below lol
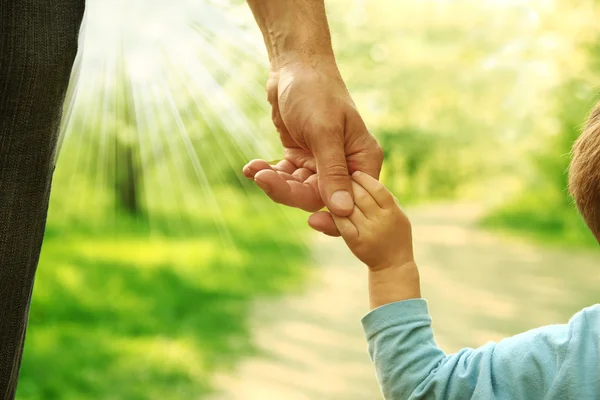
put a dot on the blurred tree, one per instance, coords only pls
(458, 93)
(128, 171)
(545, 207)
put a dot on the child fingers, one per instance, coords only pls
(357, 217)
(382, 196)
(347, 229)
(364, 200)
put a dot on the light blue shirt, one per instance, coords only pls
(560, 362)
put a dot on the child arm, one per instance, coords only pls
(553, 362)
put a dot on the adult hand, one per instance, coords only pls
(324, 138)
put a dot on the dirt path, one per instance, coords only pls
(480, 287)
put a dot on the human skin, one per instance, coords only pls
(379, 234)
(323, 135)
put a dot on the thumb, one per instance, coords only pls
(335, 185)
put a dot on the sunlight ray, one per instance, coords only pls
(220, 134)
(171, 173)
(199, 171)
(221, 104)
(251, 87)
(72, 132)
(194, 69)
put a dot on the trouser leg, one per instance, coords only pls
(38, 44)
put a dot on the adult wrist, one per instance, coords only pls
(293, 30)
(305, 56)
(289, 46)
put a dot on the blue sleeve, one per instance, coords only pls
(553, 362)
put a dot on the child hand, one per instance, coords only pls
(378, 232)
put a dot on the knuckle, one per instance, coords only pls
(379, 154)
(379, 189)
(272, 96)
(278, 122)
(276, 119)
(361, 195)
(381, 192)
(333, 168)
(279, 125)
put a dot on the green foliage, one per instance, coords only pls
(155, 249)
(131, 311)
(542, 215)
(453, 90)
(463, 94)
(156, 245)
(422, 165)
(545, 209)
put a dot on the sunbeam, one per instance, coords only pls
(166, 104)
(164, 271)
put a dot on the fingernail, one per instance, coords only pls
(342, 199)
(263, 186)
(356, 174)
(251, 172)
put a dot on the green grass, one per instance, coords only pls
(133, 313)
(546, 220)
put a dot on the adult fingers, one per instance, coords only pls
(286, 166)
(334, 181)
(255, 166)
(322, 221)
(290, 192)
(382, 196)
(302, 174)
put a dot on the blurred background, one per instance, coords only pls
(165, 275)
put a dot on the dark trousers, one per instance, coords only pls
(38, 44)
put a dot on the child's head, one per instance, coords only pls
(584, 172)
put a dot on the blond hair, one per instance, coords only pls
(584, 172)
